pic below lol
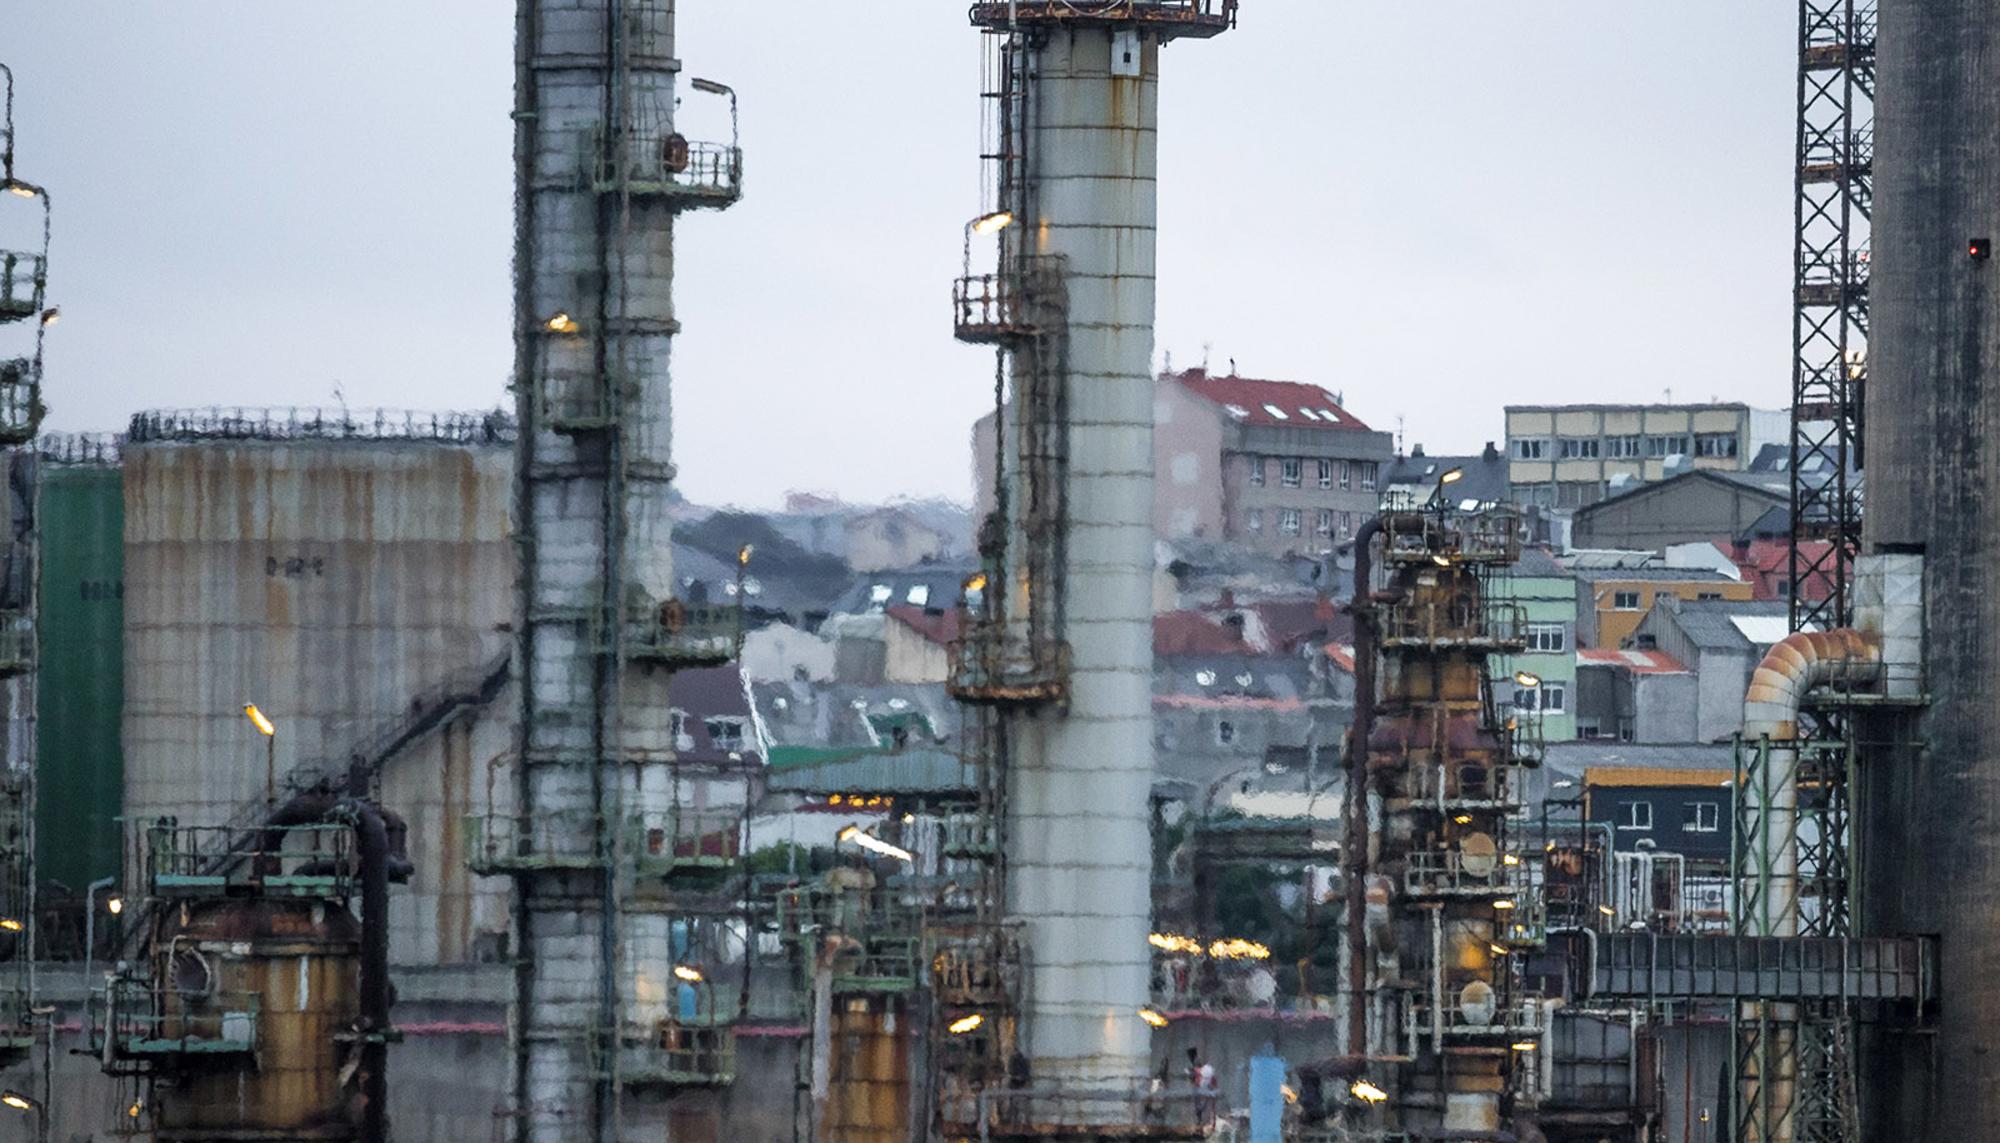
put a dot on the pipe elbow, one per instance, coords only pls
(1796, 664)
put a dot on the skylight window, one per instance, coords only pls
(879, 594)
(919, 594)
(1237, 411)
(1277, 412)
(1329, 415)
(1308, 414)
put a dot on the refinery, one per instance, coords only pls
(1230, 770)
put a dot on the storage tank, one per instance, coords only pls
(332, 568)
(1933, 445)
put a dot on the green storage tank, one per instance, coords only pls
(81, 768)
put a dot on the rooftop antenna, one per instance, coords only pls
(1168, 366)
(1399, 434)
(1232, 367)
(1205, 347)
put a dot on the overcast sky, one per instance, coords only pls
(1432, 208)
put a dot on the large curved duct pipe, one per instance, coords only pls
(1778, 687)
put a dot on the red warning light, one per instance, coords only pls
(1980, 248)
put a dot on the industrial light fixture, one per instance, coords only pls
(132, 1112)
(1498, 950)
(115, 904)
(1463, 819)
(1362, 1089)
(1452, 477)
(1152, 1017)
(16, 186)
(975, 583)
(257, 717)
(1503, 903)
(1563, 784)
(1528, 679)
(17, 1101)
(709, 86)
(1174, 942)
(1237, 948)
(562, 323)
(11, 925)
(1607, 910)
(688, 973)
(1510, 859)
(51, 316)
(743, 554)
(993, 223)
(964, 1024)
(1525, 1046)
(869, 841)
(1441, 560)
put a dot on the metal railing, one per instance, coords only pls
(311, 860)
(656, 842)
(698, 1053)
(1112, 1111)
(1201, 18)
(133, 1020)
(1490, 535)
(80, 448)
(1520, 1016)
(23, 277)
(1499, 626)
(989, 666)
(17, 643)
(281, 424)
(975, 966)
(20, 399)
(684, 635)
(1011, 304)
(1445, 873)
(880, 937)
(651, 163)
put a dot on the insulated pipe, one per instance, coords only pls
(1355, 840)
(1771, 704)
(371, 836)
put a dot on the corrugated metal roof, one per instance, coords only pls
(1637, 662)
(917, 770)
(1711, 624)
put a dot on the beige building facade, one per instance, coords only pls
(1567, 456)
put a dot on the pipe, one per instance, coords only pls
(1355, 840)
(1778, 687)
(371, 835)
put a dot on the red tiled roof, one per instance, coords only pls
(1190, 633)
(1766, 564)
(1637, 662)
(1298, 406)
(1342, 655)
(940, 627)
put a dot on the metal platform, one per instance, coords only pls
(989, 669)
(1639, 966)
(315, 860)
(23, 277)
(693, 175)
(137, 1023)
(1201, 19)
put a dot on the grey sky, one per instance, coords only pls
(1434, 208)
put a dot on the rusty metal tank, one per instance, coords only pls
(257, 996)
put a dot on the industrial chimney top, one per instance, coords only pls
(1169, 18)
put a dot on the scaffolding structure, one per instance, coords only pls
(1794, 1063)
(624, 894)
(24, 321)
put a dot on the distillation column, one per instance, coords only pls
(1929, 785)
(1078, 184)
(600, 176)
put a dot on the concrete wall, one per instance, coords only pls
(1187, 464)
(327, 581)
(779, 652)
(1667, 708)
(908, 657)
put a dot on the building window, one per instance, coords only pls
(1707, 596)
(1346, 476)
(1703, 817)
(1326, 474)
(725, 733)
(1579, 448)
(1625, 601)
(1346, 524)
(1555, 698)
(1552, 638)
(1290, 470)
(1668, 445)
(1323, 522)
(1624, 446)
(1718, 445)
(1635, 815)
(1253, 521)
(1531, 448)
(1368, 474)
(1256, 472)
(1288, 521)
(1225, 732)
